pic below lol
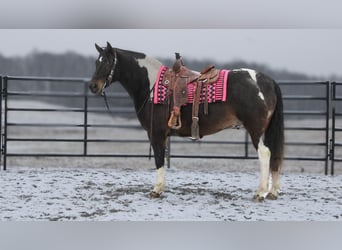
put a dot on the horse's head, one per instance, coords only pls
(105, 68)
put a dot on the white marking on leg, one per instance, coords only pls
(264, 155)
(275, 183)
(160, 183)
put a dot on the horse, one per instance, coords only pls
(254, 101)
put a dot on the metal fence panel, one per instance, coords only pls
(88, 137)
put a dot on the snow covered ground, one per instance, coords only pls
(107, 189)
(62, 194)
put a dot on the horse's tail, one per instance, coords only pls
(274, 135)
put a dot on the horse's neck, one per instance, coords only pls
(135, 79)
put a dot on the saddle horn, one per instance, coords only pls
(178, 63)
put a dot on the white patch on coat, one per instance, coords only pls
(152, 65)
(252, 73)
(261, 95)
(160, 183)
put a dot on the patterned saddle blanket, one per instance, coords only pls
(215, 92)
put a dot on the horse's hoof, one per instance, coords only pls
(271, 196)
(258, 198)
(154, 195)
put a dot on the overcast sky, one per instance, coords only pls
(171, 14)
(298, 35)
(312, 51)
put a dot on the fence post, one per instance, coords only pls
(333, 126)
(168, 151)
(327, 117)
(1, 120)
(332, 143)
(85, 122)
(4, 142)
(246, 144)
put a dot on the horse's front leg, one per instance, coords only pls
(159, 155)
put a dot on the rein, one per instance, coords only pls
(106, 102)
(147, 98)
(140, 109)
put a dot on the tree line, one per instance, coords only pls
(71, 64)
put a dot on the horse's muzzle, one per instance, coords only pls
(93, 87)
(97, 87)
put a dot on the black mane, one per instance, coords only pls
(137, 55)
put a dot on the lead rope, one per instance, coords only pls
(151, 119)
(138, 112)
(106, 101)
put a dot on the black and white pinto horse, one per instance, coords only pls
(254, 101)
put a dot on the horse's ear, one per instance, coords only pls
(98, 48)
(109, 46)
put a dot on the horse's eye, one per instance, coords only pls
(101, 59)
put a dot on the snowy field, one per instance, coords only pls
(123, 195)
(117, 189)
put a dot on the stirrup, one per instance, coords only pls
(174, 121)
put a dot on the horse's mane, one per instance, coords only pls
(131, 53)
(139, 55)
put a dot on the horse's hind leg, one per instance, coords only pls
(263, 192)
(264, 155)
(273, 194)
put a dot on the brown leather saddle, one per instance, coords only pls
(176, 79)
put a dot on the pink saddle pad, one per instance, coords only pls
(217, 91)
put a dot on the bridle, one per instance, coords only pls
(109, 81)
(111, 74)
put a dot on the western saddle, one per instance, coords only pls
(176, 79)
